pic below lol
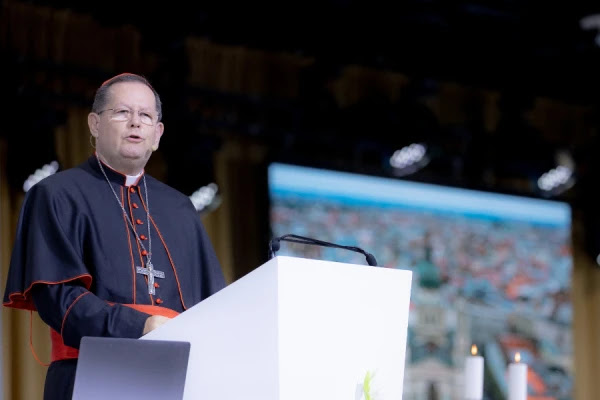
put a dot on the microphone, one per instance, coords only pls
(275, 245)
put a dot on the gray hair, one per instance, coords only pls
(101, 97)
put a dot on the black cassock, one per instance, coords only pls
(75, 259)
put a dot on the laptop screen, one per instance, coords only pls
(120, 368)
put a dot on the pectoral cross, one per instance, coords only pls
(151, 273)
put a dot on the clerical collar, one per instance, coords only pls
(115, 176)
(132, 179)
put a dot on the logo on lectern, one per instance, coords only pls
(364, 390)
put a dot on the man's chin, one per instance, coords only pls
(137, 156)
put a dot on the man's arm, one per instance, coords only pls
(74, 312)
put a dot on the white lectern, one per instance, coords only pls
(298, 329)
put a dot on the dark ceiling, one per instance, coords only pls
(535, 45)
(526, 47)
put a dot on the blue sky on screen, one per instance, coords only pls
(348, 188)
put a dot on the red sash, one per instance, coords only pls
(62, 352)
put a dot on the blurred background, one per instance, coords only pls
(497, 95)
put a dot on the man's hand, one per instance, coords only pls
(154, 322)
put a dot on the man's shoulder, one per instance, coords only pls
(166, 192)
(64, 180)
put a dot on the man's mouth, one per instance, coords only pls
(134, 138)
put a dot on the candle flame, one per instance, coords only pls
(517, 357)
(474, 350)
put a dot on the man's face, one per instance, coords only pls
(127, 130)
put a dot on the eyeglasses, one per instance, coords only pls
(124, 114)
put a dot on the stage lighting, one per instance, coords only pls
(560, 178)
(40, 174)
(409, 159)
(591, 22)
(207, 198)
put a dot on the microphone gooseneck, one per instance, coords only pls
(275, 245)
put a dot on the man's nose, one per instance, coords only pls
(135, 118)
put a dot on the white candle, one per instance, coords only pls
(474, 376)
(517, 379)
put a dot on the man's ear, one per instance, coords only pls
(93, 122)
(160, 128)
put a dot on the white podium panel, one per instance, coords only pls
(298, 329)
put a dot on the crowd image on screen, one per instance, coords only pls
(515, 275)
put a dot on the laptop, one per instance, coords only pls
(120, 368)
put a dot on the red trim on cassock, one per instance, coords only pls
(60, 351)
(138, 247)
(130, 248)
(153, 310)
(168, 254)
(172, 263)
(62, 325)
(25, 302)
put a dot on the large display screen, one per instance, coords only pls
(489, 269)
